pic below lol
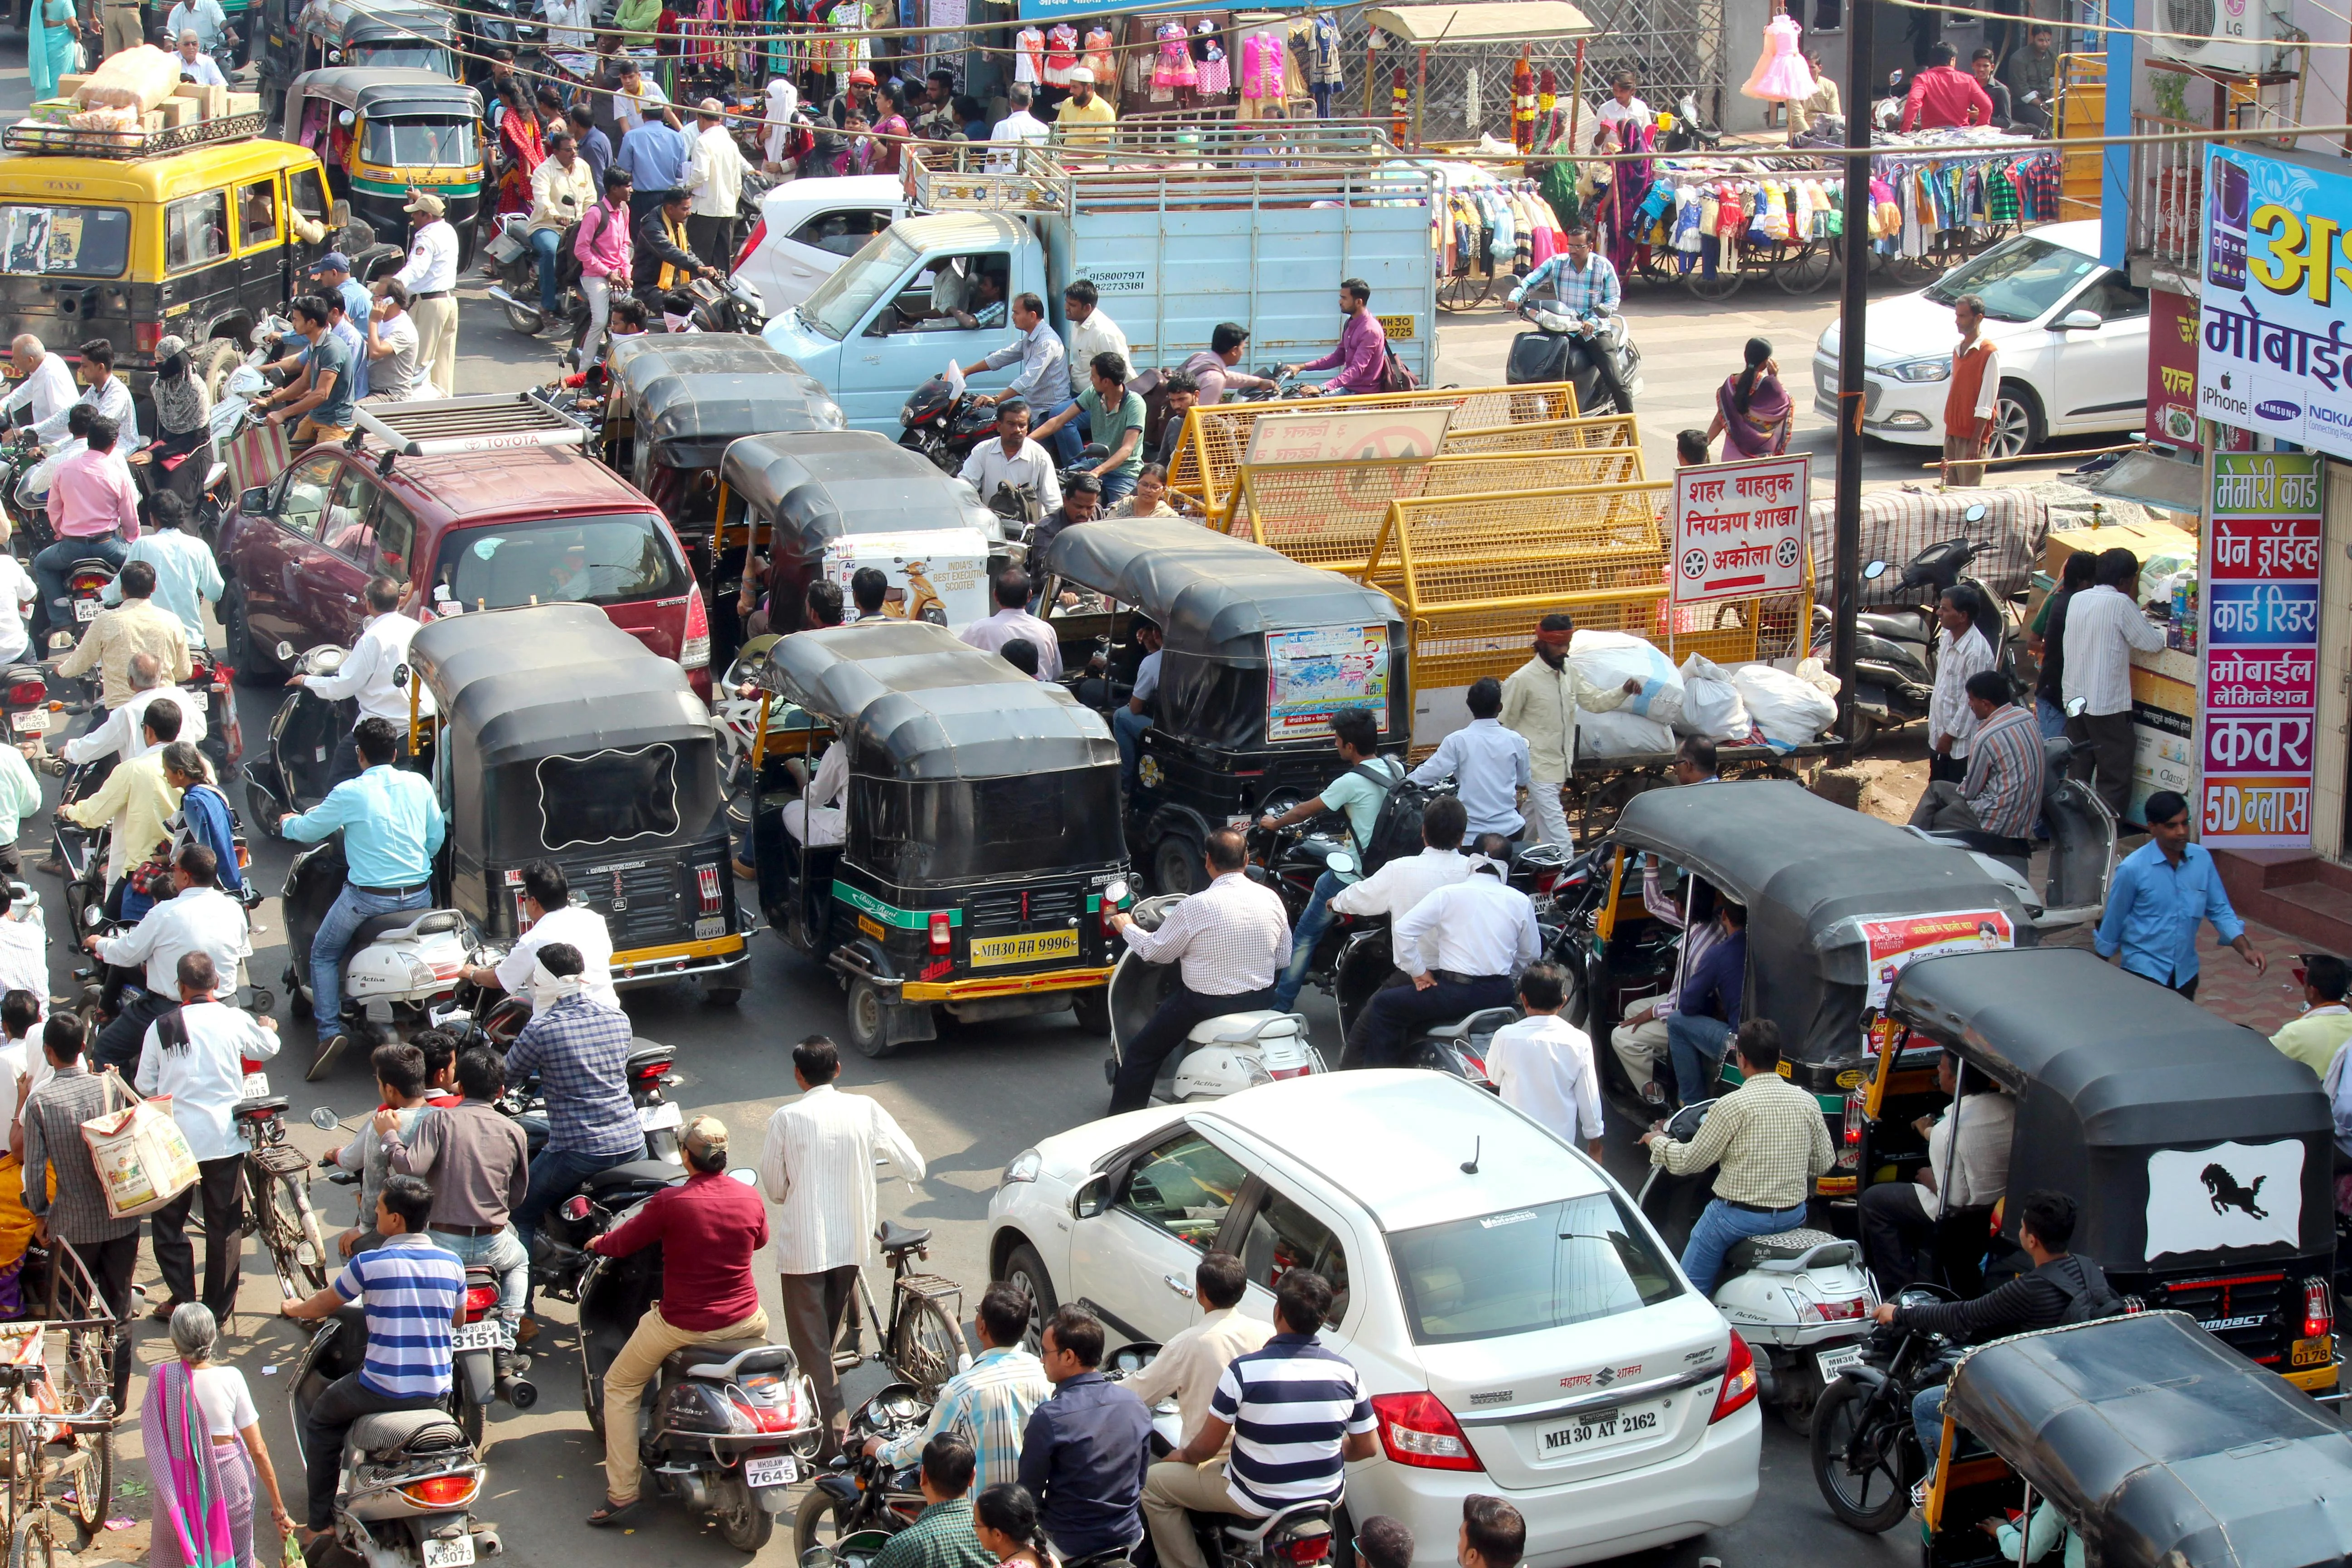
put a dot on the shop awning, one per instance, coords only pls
(1428, 26)
(2154, 480)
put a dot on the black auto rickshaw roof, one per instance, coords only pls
(1210, 593)
(2162, 1448)
(692, 394)
(824, 484)
(387, 91)
(545, 681)
(1809, 872)
(361, 21)
(918, 703)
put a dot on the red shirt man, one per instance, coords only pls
(1944, 95)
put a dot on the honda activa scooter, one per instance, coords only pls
(1220, 1056)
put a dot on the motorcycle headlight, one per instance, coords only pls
(1922, 369)
(906, 416)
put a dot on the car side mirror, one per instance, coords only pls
(254, 502)
(2080, 321)
(1090, 1199)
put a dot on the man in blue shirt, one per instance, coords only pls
(1360, 792)
(591, 140)
(1707, 1010)
(1487, 762)
(415, 1295)
(2161, 892)
(392, 826)
(654, 156)
(1085, 1451)
(331, 275)
(185, 570)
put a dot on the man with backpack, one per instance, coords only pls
(1542, 701)
(1364, 793)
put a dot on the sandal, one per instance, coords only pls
(611, 1513)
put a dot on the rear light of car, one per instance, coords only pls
(695, 652)
(479, 1300)
(942, 931)
(1850, 1142)
(1739, 1382)
(146, 336)
(759, 232)
(443, 1491)
(2319, 1308)
(1417, 1429)
(706, 882)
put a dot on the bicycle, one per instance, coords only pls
(921, 1344)
(273, 1196)
(85, 1385)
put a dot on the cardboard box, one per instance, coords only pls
(179, 111)
(244, 103)
(53, 110)
(211, 99)
(152, 121)
(71, 85)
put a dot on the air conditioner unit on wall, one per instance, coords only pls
(2238, 37)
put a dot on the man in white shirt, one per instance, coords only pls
(197, 918)
(1012, 620)
(197, 66)
(1018, 127)
(23, 955)
(1898, 1218)
(1397, 889)
(1542, 701)
(1092, 331)
(1962, 651)
(1542, 1064)
(105, 393)
(640, 99)
(817, 1166)
(367, 673)
(45, 387)
(206, 18)
(814, 819)
(1196, 1357)
(124, 735)
(16, 592)
(547, 904)
(2103, 625)
(1013, 459)
(714, 172)
(1461, 945)
(196, 1054)
(393, 346)
(1489, 764)
(430, 275)
(24, 1066)
(568, 22)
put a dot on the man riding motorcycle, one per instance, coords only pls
(1584, 286)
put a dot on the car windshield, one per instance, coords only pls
(2018, 281)
(842, 300)
(436, 143)
(582, 561)
(1541, 1266)
(65, 241)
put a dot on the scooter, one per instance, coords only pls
(405, 1489)
(1561, 348)
(400, 965)
(726, 305)
(2082, 847)
(728, 1426)
(1456, 1047)
(1894, 650)
(295, 771)
(1221, 1055)
(1799, 1298)
(517, 289)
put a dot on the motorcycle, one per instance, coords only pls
(24, 500)
(1454, 1045)
(405, 1489)
(726, 1428)
(1866, 1450)
(2081, 847)
(517, 289)
(1691, 132)
(1221, 1055)
(726, 305)
(1561, 348)
(24, 700)
(944, 424)
(1800, 1298)
(861, 1497)
(1895, 649)
(62, 619)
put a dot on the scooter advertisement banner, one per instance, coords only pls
(1739, 527)
(940, 576)
(1313, 673)
(1904, 939)
(2259, 688)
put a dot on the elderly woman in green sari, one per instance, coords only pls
(52, 45)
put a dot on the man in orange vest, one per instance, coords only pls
(1970, 405)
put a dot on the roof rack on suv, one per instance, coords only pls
(67, 141)
(449, 426)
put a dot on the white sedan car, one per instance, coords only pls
(1518, 1326)
(807, 228)
(2072, 336)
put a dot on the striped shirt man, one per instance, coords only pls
(1949, 713)
(989, 1403)
(410, 1288)
(2004, 781)
(1291, 1405)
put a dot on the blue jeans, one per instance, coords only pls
(49, 568)
(1719, 1225)
(1695, 1046)
(334, 940)
(555, 1174)
(1927, 1420)
(544, 243)
(1066, 443)
(1117, 487)
(502, 1252)
(1127, 727)
(1313, 921)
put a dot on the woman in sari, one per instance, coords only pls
(521, 149)
(204, 1449)
(1628, 187)
(1753, 412)
(52, 45)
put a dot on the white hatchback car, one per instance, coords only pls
(2072, 331)
(807, 228)
(1518, 1326)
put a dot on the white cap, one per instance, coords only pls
(1083, 73)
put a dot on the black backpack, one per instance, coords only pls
(1396, 827)
(2089, 1296)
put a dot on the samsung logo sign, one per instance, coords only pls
(2278, 408)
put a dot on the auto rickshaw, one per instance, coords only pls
(974, 849)
(2200, 1158)
(561, 738)
(2148, 1443)
(300, 35)
(676, 403)
(1258, 651)
(381, 129)
(1837, 903)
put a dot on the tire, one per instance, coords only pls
(1857, 1500)
(1176, 866)
(2017, 425)
(212, 362)
(592, 1399)
(94, 1486)
(1025, 1271)
(744, 1524)
(817, 1522)
(298, 1001)
(925, 1346)
(525, 320)
(661, 1144)
(34, 1543)
(465, 1412)
(1720, 287)
(1092, 1006)
(252, 664)
(290, 1210)
(1809, 270)
(868, 1033)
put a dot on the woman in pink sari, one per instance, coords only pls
(204, 1448)
(1753, 412)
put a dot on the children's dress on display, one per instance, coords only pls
(1780, 72)
(1262, 84)
(1060, 54)
(1029, 56)
(1175, 65)
(1101, 61)
(1216, 75)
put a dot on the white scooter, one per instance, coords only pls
(1222, 1055)
(1799, 1298)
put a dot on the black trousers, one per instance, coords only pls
(344, 1401)
(1943, 769)
(175, 1255)
(111, 1264)
(1139, 1068)
(708, 237)
(1389, 1017)
(1895, 1227)
(120, 1042)
(2110, 756)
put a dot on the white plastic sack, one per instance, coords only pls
(1623, 733)
(1610, 659)
(1711, 704)
(1788, 708)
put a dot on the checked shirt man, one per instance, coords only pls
(580, 1048)
(988, 1403)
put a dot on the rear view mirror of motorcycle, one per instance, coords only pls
(1339, 863)
(575, 1209)
(1874, 572)
(93, 917)
(1114, 895)
(324, 1120)
(284, 651)
(745, 1175)
(1974, 514)
(2075, 706)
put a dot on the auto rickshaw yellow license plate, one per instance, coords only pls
(2314, 1353)
(1026, 948)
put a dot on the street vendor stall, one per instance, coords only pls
(1423, 28)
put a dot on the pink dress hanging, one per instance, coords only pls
(1175, 65)
(1780, 73)
(1262, 58)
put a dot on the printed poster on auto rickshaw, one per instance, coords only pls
(937, 575)
(1898, 942)
(1314, 672)
(1739, 527)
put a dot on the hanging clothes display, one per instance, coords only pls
(1326, 72)
(1174, 67)
(1216, 76)
(1060, 54)
(1628, 187)
(1098, 58)
(1029, 56)
(1265, 89)
(1780, 75)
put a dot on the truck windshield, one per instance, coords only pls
(65, 241)
(842, 300)
(582, 561)
(437, 143)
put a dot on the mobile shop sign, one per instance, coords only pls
(2274, 356)
(2259, 704)
(1896, 943)
(1739, 527)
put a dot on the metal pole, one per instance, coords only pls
(1852, 335)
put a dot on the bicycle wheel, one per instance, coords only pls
(89, 1370)
(925, 1346)
(33, 1543)
(93, 1480)
(295, 1259)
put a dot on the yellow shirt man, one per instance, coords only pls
(136, 800)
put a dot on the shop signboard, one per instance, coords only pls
(1739, 527)
(2274, 349)
(2258, 713)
